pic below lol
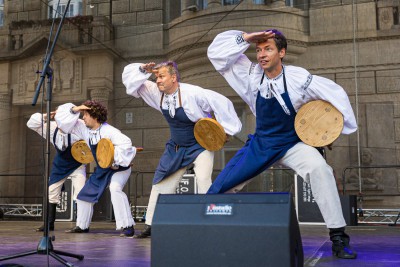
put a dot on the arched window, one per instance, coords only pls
(57, 8)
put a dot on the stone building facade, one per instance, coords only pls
(354, 44)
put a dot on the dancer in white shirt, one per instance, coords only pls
(64, 166)
(274, 93)
(182, 106)
(92, 129)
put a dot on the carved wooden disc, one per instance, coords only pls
(81, 152)
(209, 134)
(105, 153)
(318, 123)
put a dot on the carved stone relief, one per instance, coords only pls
(66, 75)
(28, 76)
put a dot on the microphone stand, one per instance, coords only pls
(45, 246)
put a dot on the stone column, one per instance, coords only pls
(5, 142)
(100, 94)
(213, 3)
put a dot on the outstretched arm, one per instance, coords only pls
(222, 108)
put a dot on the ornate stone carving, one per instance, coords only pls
(67, 69)
(5, 102)
(99, 94)
(67, 76)
(28, 76)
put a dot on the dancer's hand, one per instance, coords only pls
(80, 108)
(258, 37)
(148, 67)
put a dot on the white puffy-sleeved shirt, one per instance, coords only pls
(226, 54)
(70, 123)
(197, 102)
(35, 123)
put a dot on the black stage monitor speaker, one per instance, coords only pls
(226, 230)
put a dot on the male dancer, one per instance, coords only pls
(182, 106)
(92, 129)
(64, 166)
(274, 93)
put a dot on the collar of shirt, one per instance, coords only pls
(276, 84)
(61, 141)
(274, 88)
(171, 102)
(94, 135)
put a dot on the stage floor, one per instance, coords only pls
(377, 246)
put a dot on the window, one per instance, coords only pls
(202, 4)
(259, 2)
(1, 13)
(230, 2)
(57, 8)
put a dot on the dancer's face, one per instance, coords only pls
(90, 122)
(268, 56)
(166, 82)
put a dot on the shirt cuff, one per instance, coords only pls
(240, 40)
(142, 70)
(72, 111)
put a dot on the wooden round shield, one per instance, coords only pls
(105, 153)
(318, 123)
(209, 134)
(81, 152)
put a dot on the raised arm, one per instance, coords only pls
(67, 119)
(226, 54)
(135, 78)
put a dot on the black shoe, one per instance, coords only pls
(127, 232)
(77, 230)
(145, 233)
(341, 247)
(41, 228)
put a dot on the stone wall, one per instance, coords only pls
(353, 45)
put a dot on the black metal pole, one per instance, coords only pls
(45, 245)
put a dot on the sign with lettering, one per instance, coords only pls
(187, 185)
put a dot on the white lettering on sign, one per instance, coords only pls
(219, 209)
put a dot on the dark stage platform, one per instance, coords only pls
(377, 246)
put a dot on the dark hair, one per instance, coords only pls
(97, 110)
(279, 38)
(171, 66)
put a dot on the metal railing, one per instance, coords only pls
(379, 215)
(21, 210)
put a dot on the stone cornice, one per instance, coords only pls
(346, 69)
(24, 24)
(358, 40)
